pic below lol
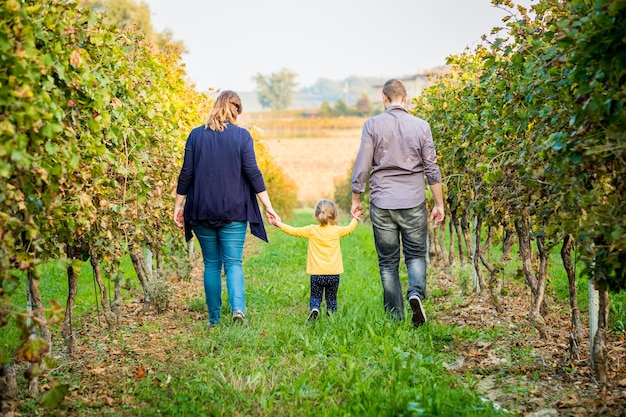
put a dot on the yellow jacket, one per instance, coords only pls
(324, 253)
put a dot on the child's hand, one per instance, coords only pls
(358, 213)
(273, 218)
(275, 221)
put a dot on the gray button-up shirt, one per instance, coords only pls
(396, 153)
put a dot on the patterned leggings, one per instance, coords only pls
(318, 284)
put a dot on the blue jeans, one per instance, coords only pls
(390, 228)
(222, 248)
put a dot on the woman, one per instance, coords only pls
(218, 185)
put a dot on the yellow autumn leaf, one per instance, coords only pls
(75, 59)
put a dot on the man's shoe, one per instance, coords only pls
(313, 315)
(239, 317)
(419, 316)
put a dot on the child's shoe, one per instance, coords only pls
(313, 315)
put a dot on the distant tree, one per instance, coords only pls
(357, 86)
(349, 89)
(326, 89)
(363, 108)
(341, 108)
(326, 110)
(276, 90)
(130, 13)
(363, 105)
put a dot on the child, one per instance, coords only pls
(324, 261)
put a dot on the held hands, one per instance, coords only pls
(273, 217)
(356, 210)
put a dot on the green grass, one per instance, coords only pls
(53, 285)
(356, 362)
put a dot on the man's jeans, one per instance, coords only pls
(390, 227)
(222, 248)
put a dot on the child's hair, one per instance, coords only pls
(326, 212)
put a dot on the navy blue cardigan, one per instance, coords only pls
(221, 178)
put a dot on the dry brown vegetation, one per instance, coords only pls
(315, 163)
(546, 380)
(314, 153)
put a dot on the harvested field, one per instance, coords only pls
(316, 163)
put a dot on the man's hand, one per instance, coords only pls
(437, 216)
(357, 208)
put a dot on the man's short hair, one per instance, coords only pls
(394, 89)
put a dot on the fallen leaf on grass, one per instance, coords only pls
(569, 401)
(140, 373)
(98, 371)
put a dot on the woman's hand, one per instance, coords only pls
(178, 217)
(269, 210)
(272, 216)
(179, 210)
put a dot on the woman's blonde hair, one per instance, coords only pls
(225, 110)
(326, 212)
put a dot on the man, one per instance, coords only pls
(396, 154)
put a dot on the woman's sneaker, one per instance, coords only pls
(419, 316)
(239, 317)
(313, 315)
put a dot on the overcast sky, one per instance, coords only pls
(229, 42)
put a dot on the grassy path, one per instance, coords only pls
(355, 363)
(466, 361)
